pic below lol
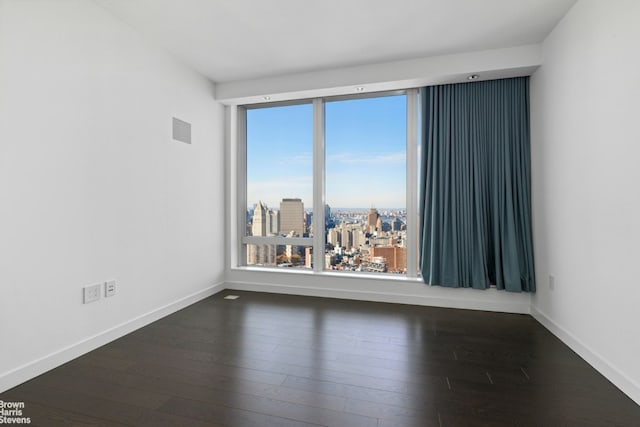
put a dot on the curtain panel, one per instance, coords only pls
(475, 201)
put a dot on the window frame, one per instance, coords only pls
(238, 165)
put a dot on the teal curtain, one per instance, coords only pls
(475, 202)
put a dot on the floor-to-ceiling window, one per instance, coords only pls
(329, 184)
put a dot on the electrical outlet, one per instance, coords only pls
(552, 282)
(110, 288)
(91, 293)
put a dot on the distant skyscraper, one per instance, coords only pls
(359, 238)
(308, 219)
(273, 218)
(346, 238)
(292, 217)
(333, 237)
(267, 219)
(260, 220)
(261, 254)
(372, 220)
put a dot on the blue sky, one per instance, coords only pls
(365, 142)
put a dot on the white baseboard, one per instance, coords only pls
(39, 366)
(627, 385)
(376, 296)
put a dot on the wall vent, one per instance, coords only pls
(181, 131)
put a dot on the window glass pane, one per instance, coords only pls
(365, 164)
(279, 182)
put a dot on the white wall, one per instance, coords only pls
(586, 186)
(92, 187)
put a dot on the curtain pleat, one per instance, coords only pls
(475, 195)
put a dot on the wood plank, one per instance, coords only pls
(284, 360)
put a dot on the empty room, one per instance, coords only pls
(319, 213)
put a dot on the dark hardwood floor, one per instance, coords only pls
(268, 360)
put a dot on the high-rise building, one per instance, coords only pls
(260, 220)
(395, 257)
(333, 237)
(308, 219)
(359, 238)
(372, 220)
(274, 222)
(261, 254)
(292, 217)
(346, 238)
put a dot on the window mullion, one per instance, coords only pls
(412, 183)
(240, 162)
(318, 185)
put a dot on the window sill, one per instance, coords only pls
(334, 274)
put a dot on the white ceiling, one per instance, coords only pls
(231, 40)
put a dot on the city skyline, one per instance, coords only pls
(354, 241)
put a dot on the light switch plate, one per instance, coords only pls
(110, 288)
